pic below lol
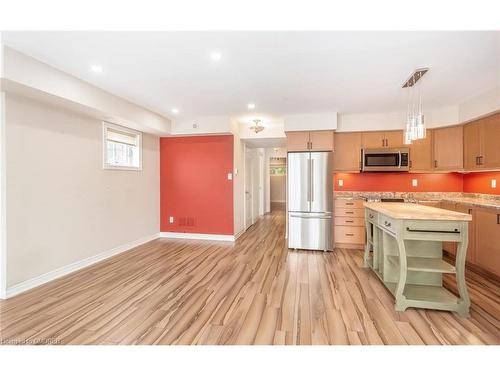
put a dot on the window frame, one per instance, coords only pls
(105, 165)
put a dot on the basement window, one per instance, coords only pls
(122, 147)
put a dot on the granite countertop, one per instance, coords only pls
(469, 199)
(412, 211)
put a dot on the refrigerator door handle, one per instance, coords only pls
(312, 180)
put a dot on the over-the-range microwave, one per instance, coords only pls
(385, 159)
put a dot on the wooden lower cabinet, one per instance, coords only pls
(487, 236)
(471, 249)
(483, 250)
(349, 224)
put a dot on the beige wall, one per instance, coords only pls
(278, 188)
(62, 206)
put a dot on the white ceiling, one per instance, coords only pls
(281, 72)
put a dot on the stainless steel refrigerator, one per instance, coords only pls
(310, 200)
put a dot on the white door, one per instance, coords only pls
(248, 190)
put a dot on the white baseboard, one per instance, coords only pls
(237, 235)
(198, 236)
(63, 271)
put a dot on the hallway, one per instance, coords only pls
(254, 291)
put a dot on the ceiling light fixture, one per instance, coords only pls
(215, 56)
(251, 106)
(175, 110)
(96, 68)
(415, 125)
(256, 128)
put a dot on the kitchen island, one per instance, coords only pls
(404, 249)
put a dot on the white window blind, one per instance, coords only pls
(122, 147)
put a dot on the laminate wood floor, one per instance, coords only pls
(254, 291)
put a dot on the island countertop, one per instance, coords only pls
(412, 211)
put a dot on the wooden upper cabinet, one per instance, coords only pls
(421, 153)
(394, 138)
(487, 231)
(472, 145)
(491, 143)
(321, 140)
(382, 139)
(448, 148)
(347, 154)
(373, 139)
(481, 149)
(297, 141)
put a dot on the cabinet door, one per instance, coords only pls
(448, 148)
(488, 239)
(472, 236)
(297, 141)
(421, 153)
(491, 139)
(321, 140)
(394, 139)
(450, 247)
(347, 154)
(472, 145)
(373, 139)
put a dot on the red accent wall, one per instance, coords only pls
(480, 182)
(399, 181)
(194, 188)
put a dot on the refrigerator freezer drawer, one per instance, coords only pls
(310, 231)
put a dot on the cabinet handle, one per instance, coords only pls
(470, 211)
(383, 142)
(477, 160)
(349, 203)
(411, 164)
(349, 221)
(371, 216)
(349, 234)
(435, 163)
(349, 212)
(498, 218)
(481, 160)
(387, 224)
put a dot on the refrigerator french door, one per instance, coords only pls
(310, 200)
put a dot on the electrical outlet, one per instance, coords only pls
(341, 182)
(493, 183)
(414, 182)
(229, 176)
(171, 219)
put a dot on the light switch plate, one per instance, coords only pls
(414, 182)
(229, 176)
(341, 182)
(171, 219)
(494, 183)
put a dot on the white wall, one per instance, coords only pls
(311, 121)
(204, 125)
(62, 207)
(238, 182)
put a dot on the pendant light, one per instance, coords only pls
(257, 127)
(415, 125)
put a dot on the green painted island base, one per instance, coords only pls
(407, 257)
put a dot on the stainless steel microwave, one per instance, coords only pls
(385, 159)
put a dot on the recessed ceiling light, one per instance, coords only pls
(251, 106)
(175, 110)
(96, 68)
(215, 56)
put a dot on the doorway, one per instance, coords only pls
(277, 183)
